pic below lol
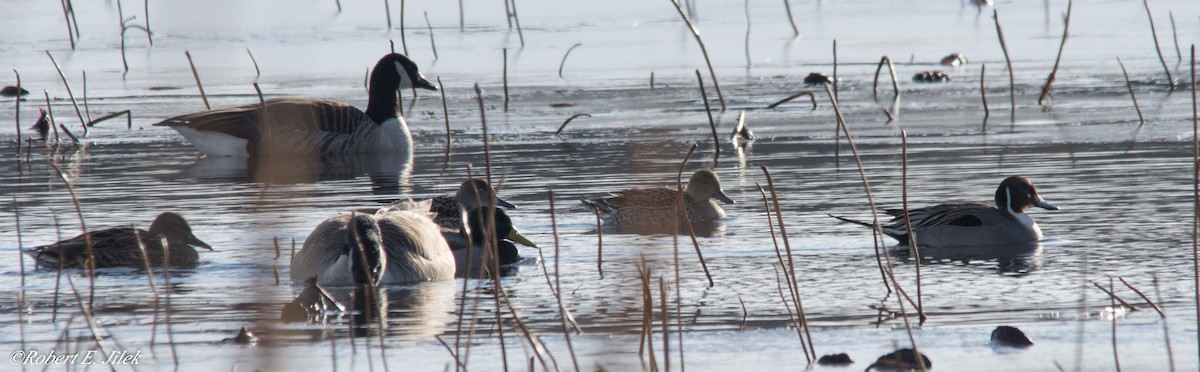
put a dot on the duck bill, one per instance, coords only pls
(516, 237)
(720, 195)
(1045, 205)
(504, 203)
(193, 240)
(421, 82)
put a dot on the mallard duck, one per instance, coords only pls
(290, 126)
(472, 194)
(118, 246)
(399, 244)
(965, 224)
(468, 256)
(656, 206)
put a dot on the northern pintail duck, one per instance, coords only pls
(964, 224)
(310, 126)
(473, 193)
(468, 256)
(399, 244)
(656, 206)
(118, 246)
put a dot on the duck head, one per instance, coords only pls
(475, 192)
(176, 230)
(1018, 194)
(705, 185)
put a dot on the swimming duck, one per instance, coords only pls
(656, 206)
(289, 126)
(399, 244)
(473, 193)
(931, 77)
(118, 246)
(964, 224)
(469, 256)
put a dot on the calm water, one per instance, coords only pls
(1125, 189)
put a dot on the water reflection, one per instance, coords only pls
(710, 229)
(387, 172)
(1009, 260)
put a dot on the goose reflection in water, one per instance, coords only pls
(1009, 260)
(387, 173)
(412, 311)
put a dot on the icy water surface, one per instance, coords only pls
(1125, 190)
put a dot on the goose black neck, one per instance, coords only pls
(381, 101)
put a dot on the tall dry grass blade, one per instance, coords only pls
(711, 124)
(1045, 95)
(445, 116)
(1154, 34)
(811, 97)
(912, 238)
(892, 70)
(1112, 300)
(1129, 85)
(790, 269)
(564, 59)
(787, 278)
(647, 343)
(196, 75)
(987, 112)
(568, 121)
(703, 50)
(687, 221)
(69, 93)
(429, 27)
(1012, 90)
(792, 20)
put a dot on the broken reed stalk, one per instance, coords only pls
(445, 115)
(403, 42)
(387, 12)
(835, 77)
(17, 111)
(74, 140)
(790, 270)
(137, 236)
(666, 323)
(462, 25)
(703, 50)
(88, 317)
(745, 315)
(69, 93)
(892, 70)
(647, 343)
(50, 113)
(687, 221)
(1045, 95)
(90, 263)
(149, 35)
(257, 71)
(791, 19)
(1012, 90)
(67, 17)
(1195, 190)
(987, 112)
(912, 239)
(20, 254)
(782, 298)
(600, 245)
(1166, 328)
(651, 81)
(262, 103)
(746, 5)
(811, 97)
(1110, 293)
(166, 271)
(1116, 356)
(196, 75)
(1144, 297)
(57, 274)
(564, 59)
(565, 122)
(556, 288)
(429, 27)
(505, 77)
(711, 124)
(1175, 35)
(517, 19)
(1129, 85)
(1154, 34)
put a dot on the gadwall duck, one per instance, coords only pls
(118, 246)
(656, 206)
(395, 245)
(310, 126)
(964, 224)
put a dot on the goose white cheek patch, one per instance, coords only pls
(404, 81)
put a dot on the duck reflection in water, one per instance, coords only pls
(1018, 259)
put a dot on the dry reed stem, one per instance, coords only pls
(403, 42)
(17, 111)
(50, 113)
(687, 221)
(257, 71)
(666, 323)
(387, 12)
(987, 112)
(87, 112)
(508, 13)
(1195, 191)
(1129, 85)
(711, 124)
(1154, 34)
(1144, 297)
(196, 75)
(892, 70)
(703, 50)
(746, 6)
(564, 59)
(137, 236)
(432, 44)
(600, 245)
(166, 271)
(87, 316)
(462, 25)
(1116, 356)
(128, 118)
(912, 238)
(20, 255)
(445, 115)
(651, 81)
(69, 93)
(557, 289)
(505, 77)
(835, 75)
(1166, 328)
(66, 16)
(791, 265)
(1109, 292)
(150, 35)
(1045, 95)
(1175, 35)
(745, 315)
(121, 22)
(791, 19)
(517, 19)
(74, 139)
(787, 278)
(1012, 90)
(810, 95)
(90, 263)
(565, 122)
(647, 343)
(57, 274)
